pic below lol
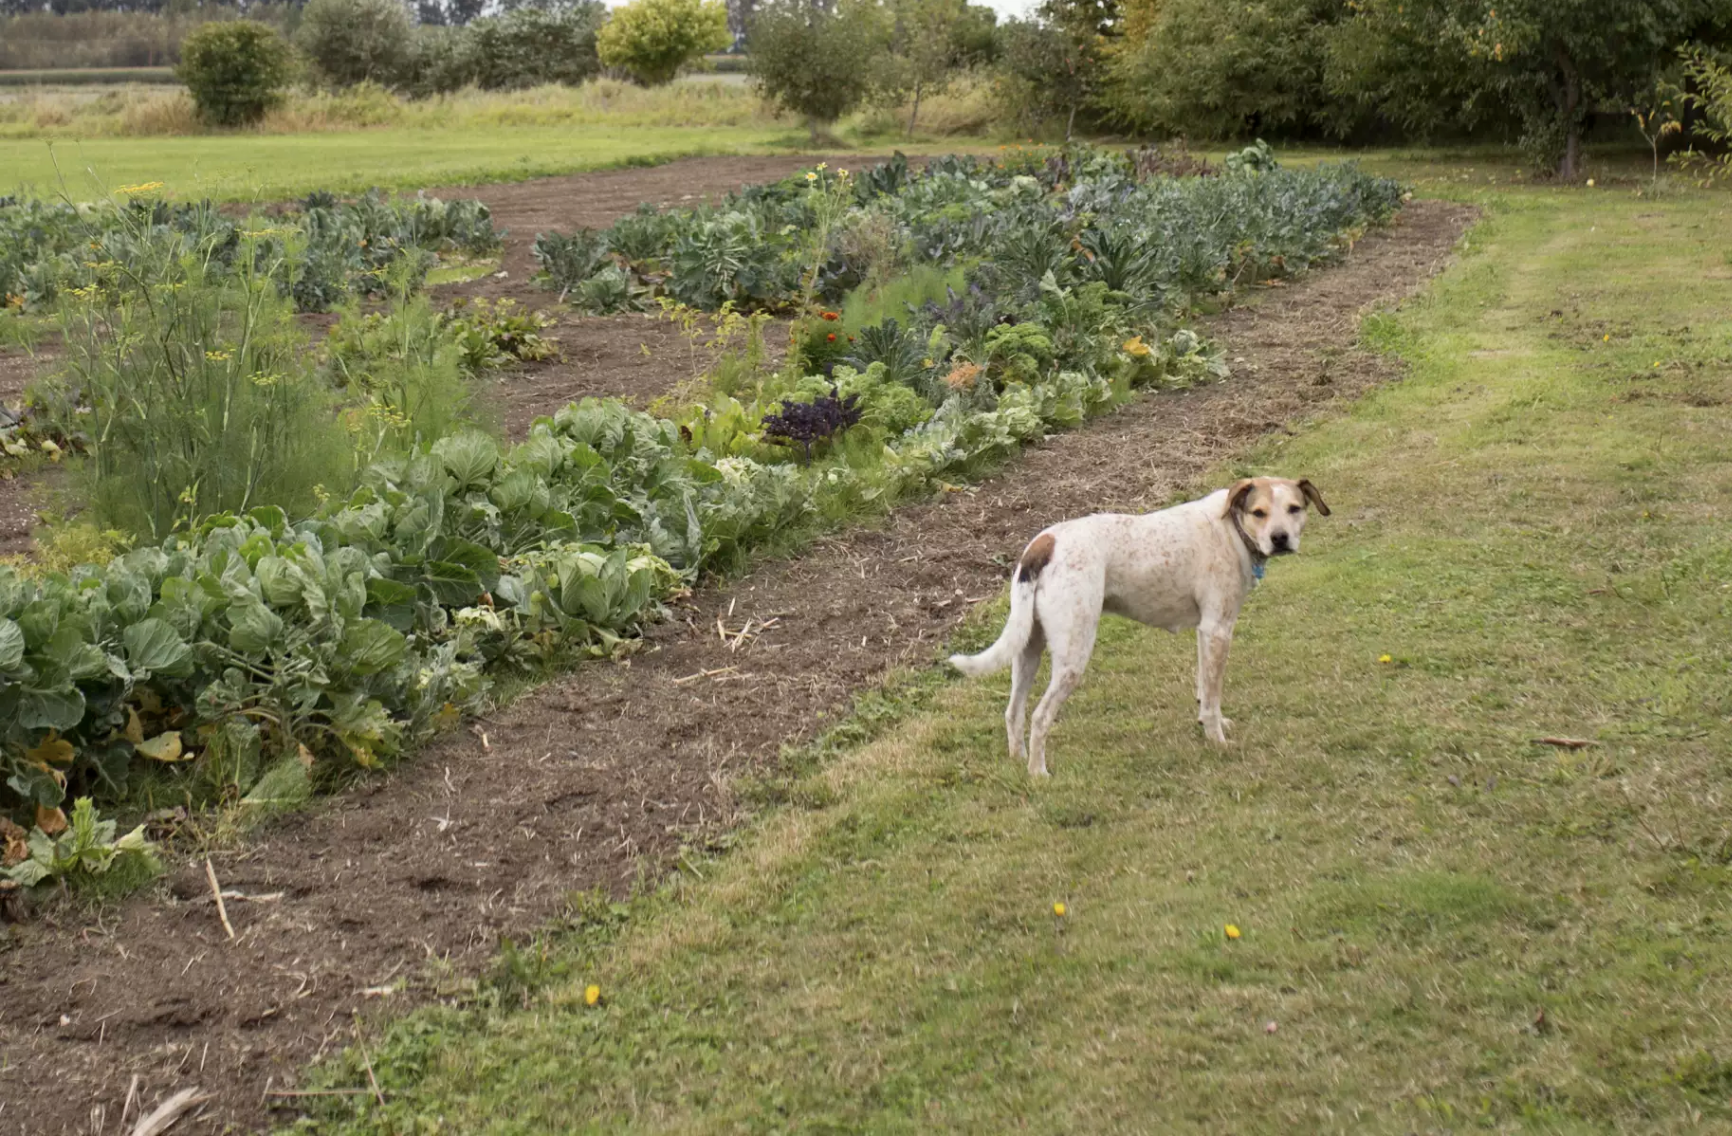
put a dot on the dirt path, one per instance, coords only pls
(613, 766)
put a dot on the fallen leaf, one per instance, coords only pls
(163, 747)
(14, 846)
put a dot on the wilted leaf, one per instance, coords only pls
(14, 846)
(54, 750)
(163, 747)
(134, 731)
(52, 822)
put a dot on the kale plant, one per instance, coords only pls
(805, 424)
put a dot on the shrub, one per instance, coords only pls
(531, 46)
(651, 40)
(235, 71)
(350, 41)
(814, 62)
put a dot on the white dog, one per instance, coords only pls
(1188, 566)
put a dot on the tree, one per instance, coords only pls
(352, 41)
(815, 62)
(530, 45)
(930, 40)
(1550, 61)
(653, 39)
(235, 70)
(1055, 64)
(1222, 68)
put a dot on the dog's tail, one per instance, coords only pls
(1020, 625)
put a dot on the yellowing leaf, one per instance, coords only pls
(54, 750)
(134, 731)
(163, 747)
(52, 822)
(305, 754)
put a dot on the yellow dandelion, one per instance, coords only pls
(810, 176)
(1605, 338)
(591, 995)
(1386, 658)
(1058, 910)
(1232, 931)
(144, 187)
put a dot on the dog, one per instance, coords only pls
(1188, 566)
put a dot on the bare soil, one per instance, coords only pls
(603, 773)
(20, 496)
(637, 358)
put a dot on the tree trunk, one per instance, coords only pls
(1070, 123)
(914, 114)
(1568, 94)
(812, 128)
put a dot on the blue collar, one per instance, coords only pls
(1257, 567)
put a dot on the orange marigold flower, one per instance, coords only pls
(831, 337)
(832, 315)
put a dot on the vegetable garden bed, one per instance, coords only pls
(245, 656)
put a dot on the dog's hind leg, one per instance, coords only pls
(1071, 643)
(1022, 671)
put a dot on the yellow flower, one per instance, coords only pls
(216, 356)
(823, 165)
(1058, 910)
(1232, 931)
(1606, 338)
(145, 187)
(591, 995)
(810, 176)
(1385, 658)
(1135, 346)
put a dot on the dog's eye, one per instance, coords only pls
(1259, 512)
(1293, 508)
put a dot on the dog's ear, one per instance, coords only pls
(1313, 496)
(1236, 495)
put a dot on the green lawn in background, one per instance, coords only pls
(1445, 926)
(271, 167)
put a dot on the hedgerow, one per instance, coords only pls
(256, 651)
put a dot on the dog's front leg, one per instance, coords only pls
(1213, 641)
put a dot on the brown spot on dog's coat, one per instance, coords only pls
(1036, 556)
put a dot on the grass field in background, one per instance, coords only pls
(275, 166)
(1443, 924)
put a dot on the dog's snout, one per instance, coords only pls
(1280, 540)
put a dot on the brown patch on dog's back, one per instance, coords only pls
(1036, 556)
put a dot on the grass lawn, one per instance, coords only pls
(270, 167)
(1445, 926)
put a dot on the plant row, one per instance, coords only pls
(326, 249)
(252, 651)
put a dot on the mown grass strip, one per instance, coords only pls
(1443, 924)
(261, 167)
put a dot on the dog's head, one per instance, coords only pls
(1271, 511)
